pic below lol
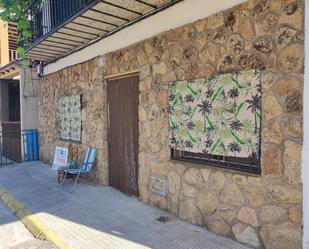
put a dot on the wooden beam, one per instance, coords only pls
(109, 14)
(121, 75)
(61, 36)
(88, 26)
(51, 48)
(98, 20)
(61, 45)
(73, 35)
(145, 3)
(40, 54)
(40, 50)
(123, 8)
(57, 39)
(80, 31)
(37, 58)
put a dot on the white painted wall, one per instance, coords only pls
(178, 15)
(305, 158)
(29, 99)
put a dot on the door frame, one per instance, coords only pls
(110, 78)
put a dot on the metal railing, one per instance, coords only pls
(19, 146)
(233, 163)
(47, 15)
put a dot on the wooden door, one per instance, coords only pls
(11, 135)
(123, 134)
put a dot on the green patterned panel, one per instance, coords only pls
(218, 115)
(70, 118)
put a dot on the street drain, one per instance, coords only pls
(163, 219)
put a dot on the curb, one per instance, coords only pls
(33, 223)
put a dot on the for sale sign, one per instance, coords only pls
(61, 158)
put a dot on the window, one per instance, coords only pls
(217, 120)
(70, 118)
(232, 163)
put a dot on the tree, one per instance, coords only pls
(17, 11)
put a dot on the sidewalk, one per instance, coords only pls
(102, 217)
(14, 235)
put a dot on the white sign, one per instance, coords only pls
(158, 185)
(101, 61)
(61, 158)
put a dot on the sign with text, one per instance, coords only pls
(61, 158)
(158, 185)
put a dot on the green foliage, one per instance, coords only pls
(17, 11)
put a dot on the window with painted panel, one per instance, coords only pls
(70, 118)
(217, 120)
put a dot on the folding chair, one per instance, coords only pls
(84, 167)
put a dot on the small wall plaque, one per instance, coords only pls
(158, 185)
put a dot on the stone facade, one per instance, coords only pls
(263, 211)
(86, 80)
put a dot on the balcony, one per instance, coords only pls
(12, 41)
(61, 27)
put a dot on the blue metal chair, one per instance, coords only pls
(84, 167)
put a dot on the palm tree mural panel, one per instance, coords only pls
(218, 115)
(70, 118)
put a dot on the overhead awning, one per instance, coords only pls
(10, 70)
(98, 20)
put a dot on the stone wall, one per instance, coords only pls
(85, 79)
(263, 211)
